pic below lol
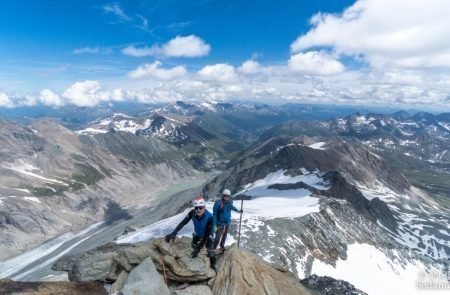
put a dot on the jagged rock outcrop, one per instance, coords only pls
(103, 263)
(107, 261)
(240, 272)
(175, 259)
(328, 285)
(46, 288)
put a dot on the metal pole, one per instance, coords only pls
(240, 220)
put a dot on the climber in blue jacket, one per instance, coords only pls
(222, 218)
(203, 224)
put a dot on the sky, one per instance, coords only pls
(364, 52)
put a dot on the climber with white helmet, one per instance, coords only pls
(222, 218)
(203, 224)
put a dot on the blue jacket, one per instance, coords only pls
(200, 224)
(222, 212)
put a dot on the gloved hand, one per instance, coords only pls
(240, 211)
(214, 229)
(195, 252)
(170, 237)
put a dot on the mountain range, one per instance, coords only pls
(319, 188)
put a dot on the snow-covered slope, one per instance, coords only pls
(268, 216)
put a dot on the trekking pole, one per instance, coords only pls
(240, 220)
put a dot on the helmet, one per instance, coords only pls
(199, 202)
(226, 192)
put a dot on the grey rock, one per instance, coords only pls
(194, 290)
(328, 285)
(119, 283)
(48, 288)
(103, 263)
(175, 259)
(145, 279)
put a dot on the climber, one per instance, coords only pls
(222, 218)
(203, 223)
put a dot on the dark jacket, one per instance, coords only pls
(202, 226)
(222, 212)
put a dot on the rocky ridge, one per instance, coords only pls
(161, 268)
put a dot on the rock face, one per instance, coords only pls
(107, 261)
(103, 263)
(145, 279)
(242, 273)
(328, 285)
(47, 288)
(178, 264)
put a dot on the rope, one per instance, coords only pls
(164, 268)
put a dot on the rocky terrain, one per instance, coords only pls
(54, 180)
(348, 199)
(161, 268)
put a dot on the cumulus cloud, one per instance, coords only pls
(187, 46)
(218, 72)
(180, 46)
(401, 33)
(49, 98)
(155, 70)
(250, 67)
(85, 94)
(315, 63)
(5, 101)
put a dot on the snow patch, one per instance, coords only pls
(372, 271)
(318, 145)
(32, 199)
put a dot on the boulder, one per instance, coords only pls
(175, 260)
(103, 263)
(194, 290)
(145, 279)
(240, 272)
(48, 288)
(328, 285)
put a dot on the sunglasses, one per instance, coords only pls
(225, 196)
(198, 208)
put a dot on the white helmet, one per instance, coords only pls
(226, 192)
(199, 202)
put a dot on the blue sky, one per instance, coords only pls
(354, 52)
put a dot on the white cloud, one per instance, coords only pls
(131, 50)
(155, 70)
(315, 63)
(250, 67)
(401, 33)
(188, 46)
(115, 9)
(218, 72)
(5, 101)
(49, 98)
(85, 94)
(93, 50)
